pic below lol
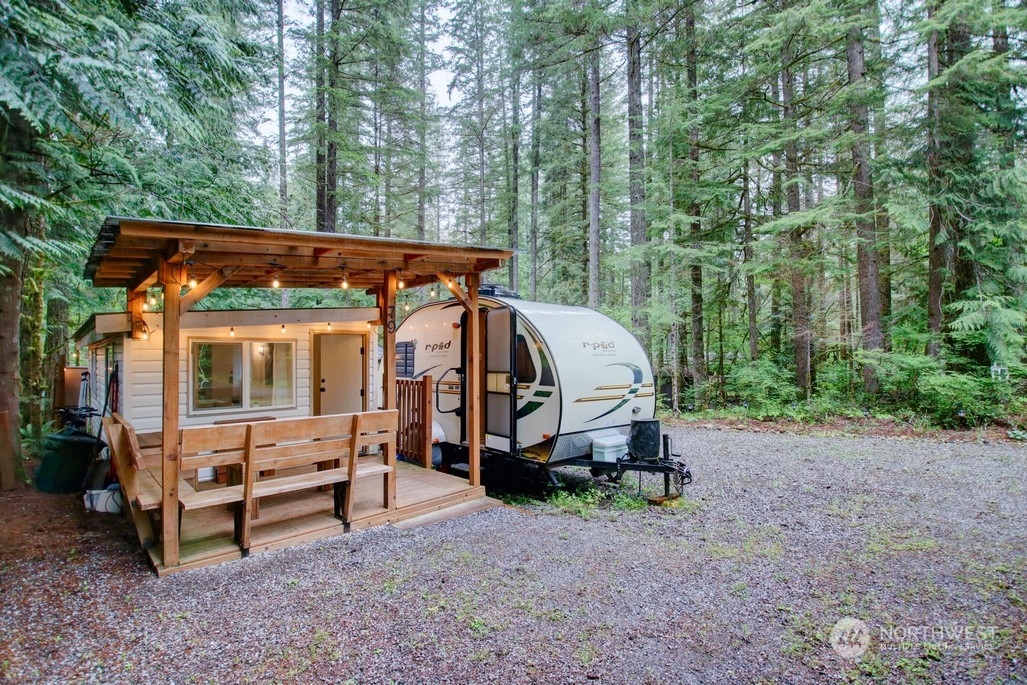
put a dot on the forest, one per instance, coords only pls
(802, 208)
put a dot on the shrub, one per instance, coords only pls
(768, 389)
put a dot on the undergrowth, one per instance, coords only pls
(924, 392)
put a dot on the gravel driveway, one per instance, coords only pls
(780, 537)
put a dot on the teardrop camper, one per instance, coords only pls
(556, 378)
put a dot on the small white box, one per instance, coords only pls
(609, 448)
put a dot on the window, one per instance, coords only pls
(241, 375)
(525, 366)
(405, 359)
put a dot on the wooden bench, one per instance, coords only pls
(212, 447)
(329, 444)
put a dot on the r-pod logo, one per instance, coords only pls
(850, 637)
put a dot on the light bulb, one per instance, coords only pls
(192, 280)
(146, 306)
(146, 334)
(402, 285)
(276, 283)
(431, 293)
(345, 283)
(153, 301)
(283, 328)
(406, 306)
(329, 325)
(231, 332)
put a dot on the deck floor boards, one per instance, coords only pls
(299, 517)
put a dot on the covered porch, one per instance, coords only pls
(188, 261)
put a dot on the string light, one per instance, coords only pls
(329, 326)
(406, 306)
(192, 278)
(402, 285)
(146, 306)
(345, 282)
(231, 332)
(431, 293)
(283, 328)
(153, 301)
(276, 283)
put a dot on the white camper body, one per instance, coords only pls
(555, 377)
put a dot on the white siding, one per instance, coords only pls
(142, 393)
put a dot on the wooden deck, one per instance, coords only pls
(296, 518)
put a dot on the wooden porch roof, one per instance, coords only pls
(127, 253)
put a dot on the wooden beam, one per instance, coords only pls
(206, 287)
(170, 418)
(449, 280)
(473, 379)
(135, 312)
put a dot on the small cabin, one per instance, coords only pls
(296, 408)
(235, 365)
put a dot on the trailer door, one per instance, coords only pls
(501, 380)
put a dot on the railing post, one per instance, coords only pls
(426, 420)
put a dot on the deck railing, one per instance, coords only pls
(414, 401)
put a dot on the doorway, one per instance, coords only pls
(339, 378)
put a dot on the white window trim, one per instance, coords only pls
(246, 344)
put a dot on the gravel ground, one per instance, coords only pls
(779, 537)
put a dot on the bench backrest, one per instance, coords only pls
(299, 442)
(213, 446)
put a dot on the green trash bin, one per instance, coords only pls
(67, 456)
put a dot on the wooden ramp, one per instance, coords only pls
(297, 518)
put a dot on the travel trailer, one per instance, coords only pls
(556, 378)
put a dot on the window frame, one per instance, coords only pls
(246, 345)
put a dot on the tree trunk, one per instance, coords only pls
(796, 237)
(16, 144)
(422, 122)
(479, 94)
(56, 351)
(514, 225)
(283, 184)
(33, 329)
(320, 118)
(936, 258)
(594, 168)
(332, 153)
(747, 256)
(776, 194)
(536, 170)
(699, 366)
(636, 181)
(866, 226)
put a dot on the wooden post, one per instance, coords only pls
(388, 313)
(426, 418)
(473, 380)
(7, 454)
(389, 379)
(169, 425)
(135, 300)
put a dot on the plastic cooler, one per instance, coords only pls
(609, 448)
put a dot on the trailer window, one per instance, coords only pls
(405, 359)
(525, 366)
